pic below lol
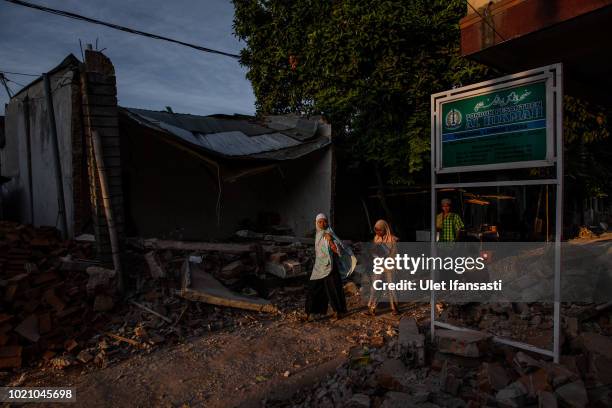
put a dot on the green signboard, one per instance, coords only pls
(500, 126)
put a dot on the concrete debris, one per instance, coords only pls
(411, 343)
(285, 239)
(29, 328)
(155, 267)
(98, 277)
(358, 401)
(160, 244)
(536, 382)
(84, 356)
(290, 268)
(524, 363)
(514, 395)
(462, 343)
(390, 375)
(573, 395)
(492, 377)
(232, 270)
(198, 285)
(103, 303)
(547, 400)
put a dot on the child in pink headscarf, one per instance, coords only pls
(385, 238)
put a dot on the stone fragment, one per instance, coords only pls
(84, 356)
(358, 401)
(98, 276)
(29, 328)
(278, 257)
(462, 343)
(547, 400)
(103, 303)
(390, 375)
(536, 382)
(513, 396)
(492, 377)
(411, 343)
(232, 270)
(573, 395)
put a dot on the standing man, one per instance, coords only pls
(448, 224)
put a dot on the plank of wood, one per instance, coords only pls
(220, 301)
(230, 248)
(153, 312)
(123, 339)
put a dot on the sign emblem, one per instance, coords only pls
(453, 119)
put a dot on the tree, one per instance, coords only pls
(368, 67)
(588, 157)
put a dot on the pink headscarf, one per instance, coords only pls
(387, 236)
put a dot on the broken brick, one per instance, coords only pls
(536, 382)
(44, 323)
(70, 345)
(10, 356)
(389, 375)
(53, 300)
(492, 377)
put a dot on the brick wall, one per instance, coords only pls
(99, 103)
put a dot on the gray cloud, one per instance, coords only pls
(151, 74)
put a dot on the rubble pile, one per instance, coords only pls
(60, 308)
(468, 369)
(44, 303)
(526, 322)
(253, 255)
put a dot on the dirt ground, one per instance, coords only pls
(250, 365)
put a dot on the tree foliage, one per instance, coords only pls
(368, 67)
(587, 148)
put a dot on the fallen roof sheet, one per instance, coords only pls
(277, 138)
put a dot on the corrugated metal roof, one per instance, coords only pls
(277, 138)
(206, 124)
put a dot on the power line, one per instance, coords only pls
(15, 82)
(18, 73)
(118, 27)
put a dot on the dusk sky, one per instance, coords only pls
(151, 74)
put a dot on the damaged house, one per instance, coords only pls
(192, 177)
(173, 176)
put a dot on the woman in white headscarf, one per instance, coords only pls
(384, 241)
(333, 261)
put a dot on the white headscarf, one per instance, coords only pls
(320, 216)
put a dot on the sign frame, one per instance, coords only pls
(553, 75)
(532, 76)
